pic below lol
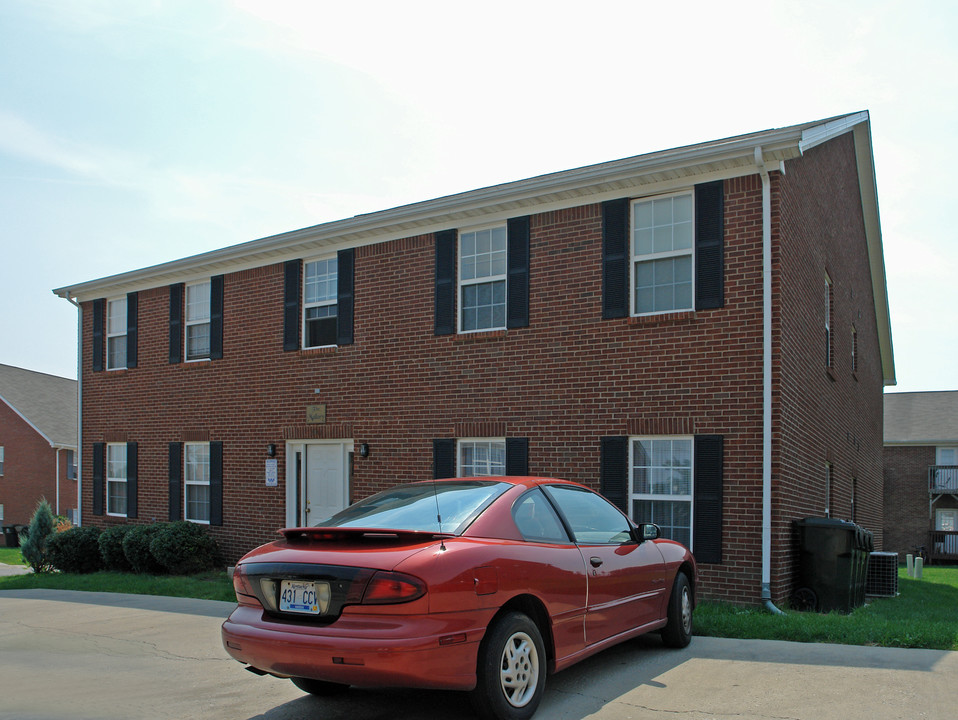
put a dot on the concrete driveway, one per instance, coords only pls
(98, 655)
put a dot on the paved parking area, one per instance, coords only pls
(97, 655)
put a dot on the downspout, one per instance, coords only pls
(766, 383)
(56, 451)
(79, 455)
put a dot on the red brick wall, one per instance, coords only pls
(823, 416)
(907, 516)
(29, 469)
(565, 381)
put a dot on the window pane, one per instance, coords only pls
(482, 458)
(198, 302)
(198, 502)
(116, 352)
(672, 516)
(116, 317)
(197, 341)
(321, 281)
(116, 497)
(197, 463)
(483, 305)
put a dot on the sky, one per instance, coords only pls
(138, 132)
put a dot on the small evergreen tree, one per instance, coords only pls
(33, 542)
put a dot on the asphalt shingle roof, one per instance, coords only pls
(48, 402)
(922, 417)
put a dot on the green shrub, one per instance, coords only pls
(136, 547)
(111, 548)
(75, 550)
(33, 542)
(184, 548)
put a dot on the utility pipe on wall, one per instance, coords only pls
(766, 383)
(79, 455)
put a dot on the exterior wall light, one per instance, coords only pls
(271, 450)
(364, 450)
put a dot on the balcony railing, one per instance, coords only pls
(943, 545)
(943, 478)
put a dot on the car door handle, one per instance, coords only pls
(595, 561)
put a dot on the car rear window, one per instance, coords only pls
(414, 507)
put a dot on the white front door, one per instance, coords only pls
(317, 481)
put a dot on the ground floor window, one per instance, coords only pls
(482, 457)
(116, 477)
(197, 481)
(661, 485)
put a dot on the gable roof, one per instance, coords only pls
(921, 418)
(48, 403)
(661, 171)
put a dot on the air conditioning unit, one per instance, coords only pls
(882, 577)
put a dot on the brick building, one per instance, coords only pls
(38, 443)
(921, 473)
(702, 333)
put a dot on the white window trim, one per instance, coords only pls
(321, 303)
(504, 277)
(829, 330)
(690, 498)
(111, 336)
(187, 482)
(634, 258)
(115, 480)
(187, 323)
(1, 460)
(462, 442)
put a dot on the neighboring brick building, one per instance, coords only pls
(38, 442)
(921, 473)
(603, 324)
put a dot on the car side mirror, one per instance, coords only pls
(648, 531)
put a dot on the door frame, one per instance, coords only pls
(296, 488)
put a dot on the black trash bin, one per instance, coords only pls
(11, 537)
(833, 564)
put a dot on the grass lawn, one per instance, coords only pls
(11, 556)
(924, 615)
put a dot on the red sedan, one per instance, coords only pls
(478, 584)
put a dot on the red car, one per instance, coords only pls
(478, 584)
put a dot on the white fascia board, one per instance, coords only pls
(654, 172)
(868, 188)
(830, 129)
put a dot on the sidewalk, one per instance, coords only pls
(6, 570)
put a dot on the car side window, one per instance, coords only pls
(592, 518)
(537, 521)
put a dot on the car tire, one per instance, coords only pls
(677, 632)
(511, 669)
(319, 688)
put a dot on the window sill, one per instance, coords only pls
(480, 335)
(318, 350)
(659, 318)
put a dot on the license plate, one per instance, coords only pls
(308, 598)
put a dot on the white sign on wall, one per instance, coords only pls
(272, 472)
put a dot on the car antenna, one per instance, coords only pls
(435, 492)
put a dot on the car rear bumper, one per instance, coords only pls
(423, 651)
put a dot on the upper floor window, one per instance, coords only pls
(481, 458)
(320, 293)
(198, 321)
(482, 279)
(829, 346)
(662, 485)
(854, 349)
(71, 465)
(116, 326)
(1, 459)
(663, 232)
(116, 477)
(197, 481)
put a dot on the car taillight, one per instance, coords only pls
(243, 587)
(389, 587)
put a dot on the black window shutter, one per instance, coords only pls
(99, 465)
(176, 323)
(615, 258)
(709, 245)
(99, 317)
(517, 283)
(707, 523)
(445, 317)
(291, 273)
(443, 458)
(345, 264)
(131, 328)
(216, 317)
(517, 456)
(176, 480)
(131, 484)
(216, 483)
(614, 471)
